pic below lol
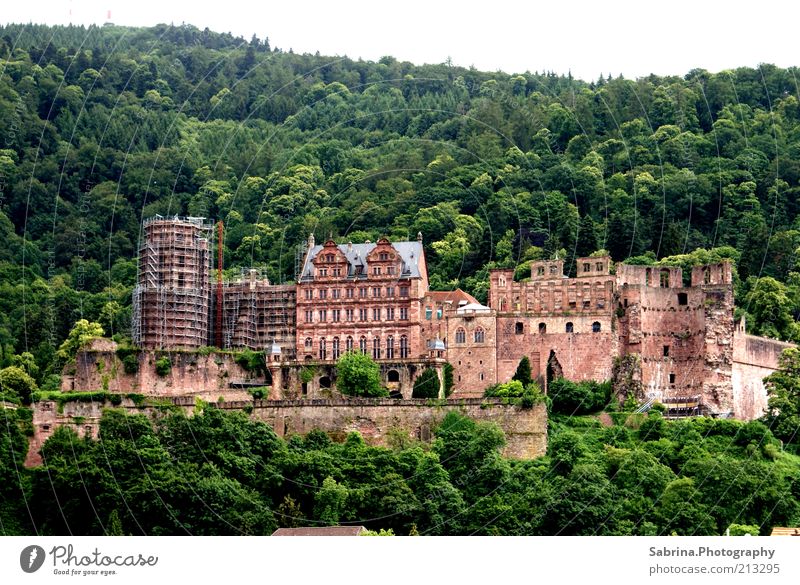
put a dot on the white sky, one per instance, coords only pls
(631, 37)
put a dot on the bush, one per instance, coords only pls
(358, 375)
(578, 397)
(131, 364)
(163, 366)
(426, 385)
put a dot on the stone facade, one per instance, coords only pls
(374, 298)
(377, 420)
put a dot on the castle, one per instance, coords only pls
(642, 326)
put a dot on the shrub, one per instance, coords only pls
(426, 385)
(578, 397)
(131, 364)
(163, 366)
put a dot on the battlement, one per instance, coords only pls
(547, 270)
(652, 276)
(599, 266)
(720, 273)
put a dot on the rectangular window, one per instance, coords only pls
(376, 314)
(439, 313)
(349, 314)
(390, 291)
(390, 313)
(362, 314)
(362, 292)
(403, 291)
(403, 314)
(323, 315)
(390, 270)
(336, 293)
(672, 378)
(666, 351)
(335, 314)
(376, 291)
(587, 267)
(309, 294)
(323, 293)
(309, 316)
(322, 272)
(376, 270)
(337, 271)
(349, 293)
(428, 313)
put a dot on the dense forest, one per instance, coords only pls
(221, 473)
(103, 126)
(100, 127)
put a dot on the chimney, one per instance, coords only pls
(349, 246)
(310, 241)
(419, 237)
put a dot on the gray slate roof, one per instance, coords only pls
(410, 253)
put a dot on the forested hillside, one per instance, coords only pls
(100, 127)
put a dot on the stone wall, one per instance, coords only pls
(98, 367)
(754, 358)
(376, 419)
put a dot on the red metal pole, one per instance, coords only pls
(218, 323)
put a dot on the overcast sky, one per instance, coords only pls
(633, 38)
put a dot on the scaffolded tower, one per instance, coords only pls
(172, 298)
(259, 315)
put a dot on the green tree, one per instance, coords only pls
(768, 302)
(523, 373)
(358, 375)
(783, 405)
(329, 503)
(15, 383)
(426, 385)
(83, 332)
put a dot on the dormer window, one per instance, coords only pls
(383, 256)
(329, 258)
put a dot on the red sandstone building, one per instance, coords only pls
(674, 342)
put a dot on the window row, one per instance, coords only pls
(378, 351)
(349, 315)
(364, 292)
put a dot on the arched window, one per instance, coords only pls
(390, 347)
(362, 344)
(461, 335)
(348, 344)
(403, 346)
(570, 328)
(376, 348)
(309, 343)
(323, 349)
(542, 328)
(336, 348)
(596, 327)
(479, 335)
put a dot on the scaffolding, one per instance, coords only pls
(172, 298)
(258, 315)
